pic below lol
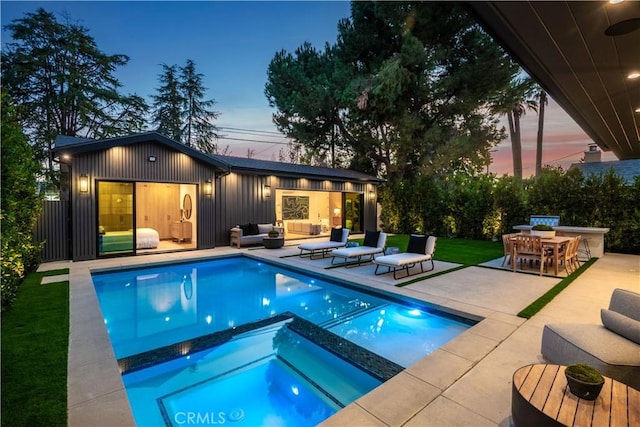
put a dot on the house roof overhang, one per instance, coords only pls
(292, 170)
(565, 46)
(70, 145)
(224, 164)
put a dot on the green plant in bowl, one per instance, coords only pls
(273, 233)
(542, 227)
(584, 381)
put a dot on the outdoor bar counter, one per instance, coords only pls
(592, 238)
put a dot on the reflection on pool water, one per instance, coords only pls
(161, 314)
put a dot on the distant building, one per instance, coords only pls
(627, 169)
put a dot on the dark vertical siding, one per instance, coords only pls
(240, 199)
(52, 228)
(130, 163)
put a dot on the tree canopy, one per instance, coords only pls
(65, 84)
(180, 110)
(406, 89)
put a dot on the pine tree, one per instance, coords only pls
(197, 116)
(168, 104)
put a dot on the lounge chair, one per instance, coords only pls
(419, 250)
(337, 240)
(374, 242)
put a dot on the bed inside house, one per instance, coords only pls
(117, 241)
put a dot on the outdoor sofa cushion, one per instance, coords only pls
(621, 325)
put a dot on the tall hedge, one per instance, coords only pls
(485, 206)
(20, 205)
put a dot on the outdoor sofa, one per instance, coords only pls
(337, 239)
(613, 347)
(419, 250)
(250, 234)
(374, 242)
(304, 228)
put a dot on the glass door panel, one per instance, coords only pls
(115, 218)
(353, 203)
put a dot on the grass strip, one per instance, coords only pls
(58, 272)
(35, 339)
(545, 299)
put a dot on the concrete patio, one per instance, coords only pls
(465, 382)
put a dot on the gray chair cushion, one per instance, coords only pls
(621, 325)
(626, 302)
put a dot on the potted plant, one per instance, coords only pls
(584, 381)
(273, 233)
(543, 230)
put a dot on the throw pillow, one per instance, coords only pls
(336, 235)
(417, 244)
(246, 229)
(371, 238)
(621, 325)
(253, 229)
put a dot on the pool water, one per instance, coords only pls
(259, 378)
(195, 339)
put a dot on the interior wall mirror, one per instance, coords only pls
(186, 206)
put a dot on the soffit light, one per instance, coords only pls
(634, 75)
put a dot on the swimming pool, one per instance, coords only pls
(167, 323)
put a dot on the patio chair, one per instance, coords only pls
(419, 250)
(338, 239)
(528, 248)
(568, 255)
(507, 244)
(374, 242)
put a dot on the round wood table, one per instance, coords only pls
(540, 396)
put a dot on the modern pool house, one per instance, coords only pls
(147, 193)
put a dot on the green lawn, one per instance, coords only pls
(35, 336)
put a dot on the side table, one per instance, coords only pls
(540, 396)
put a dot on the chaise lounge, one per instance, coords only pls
(613, 347)
(419, 250)
(374, 242)
(337, 240)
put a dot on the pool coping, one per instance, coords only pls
(96, 394)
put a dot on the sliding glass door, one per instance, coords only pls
(115, 218)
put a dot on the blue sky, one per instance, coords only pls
(232, 43)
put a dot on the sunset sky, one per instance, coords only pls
(232, 44)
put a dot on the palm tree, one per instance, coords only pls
(514, 102)
(542, 96)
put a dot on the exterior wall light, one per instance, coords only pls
(84, 184)
(266, 191)
(151, 158)
(208, 188)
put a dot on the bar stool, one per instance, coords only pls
(585, 248)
